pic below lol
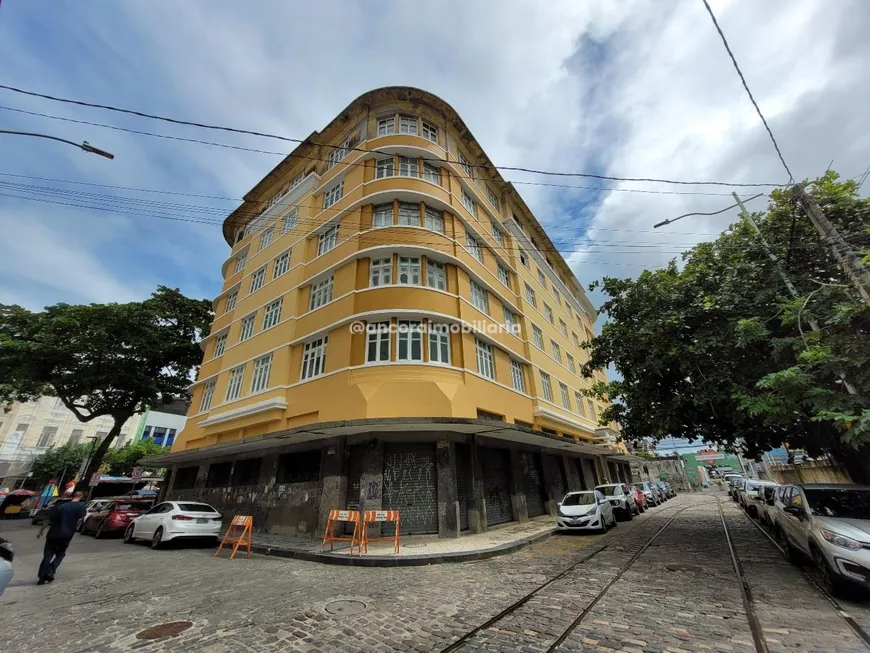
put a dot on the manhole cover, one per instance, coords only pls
(171, 629)
(345, 607)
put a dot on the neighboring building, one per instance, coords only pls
(395, 330)
(28, 429)
(163, 425)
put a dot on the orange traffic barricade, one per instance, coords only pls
(342, 516)
(239, 533)
(377, 517)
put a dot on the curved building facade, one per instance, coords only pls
(395, 330)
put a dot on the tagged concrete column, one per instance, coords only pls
(448, 504)
(572, 473)
(553, 484)
(476, 503)
(518, 487)
(333, 481)
(371, 482)
(201, 478)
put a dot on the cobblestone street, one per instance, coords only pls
(680, 594)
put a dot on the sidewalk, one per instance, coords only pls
(415, 550)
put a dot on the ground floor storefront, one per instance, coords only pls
(442, 478)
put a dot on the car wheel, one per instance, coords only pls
(128, 535)
(99, 532)
(629, 515)
(614, 523)
(790, 553)
(157, 538)
(831, 581)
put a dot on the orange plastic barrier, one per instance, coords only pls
(243, 535)
(342, 516)
(375, 517)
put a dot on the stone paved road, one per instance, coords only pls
(681, 595)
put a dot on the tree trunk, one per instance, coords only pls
(97, 457)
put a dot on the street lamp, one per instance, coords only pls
(686, 215)
(87, 147)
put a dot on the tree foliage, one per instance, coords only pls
(103, 359)
(64, 461)
(717, 349)
(120, 462)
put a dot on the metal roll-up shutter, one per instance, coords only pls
(534, 483)
(462, 484)
(410, 486)
(354, 473)
(495, 472)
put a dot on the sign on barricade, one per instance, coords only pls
(376, 517)
(342, 516)
(239, 533)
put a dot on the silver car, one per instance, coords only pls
(749, 495)
(585, 511)
(831, 524)
(621, 499)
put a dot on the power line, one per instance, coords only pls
(748, 92)
(288, 139)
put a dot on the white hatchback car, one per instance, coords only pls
(585, 511)
(172, 520)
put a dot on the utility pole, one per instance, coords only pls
(849, 261)
(814, 325)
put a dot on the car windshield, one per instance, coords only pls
(845, 504)
(579, 499)
(641, 486)
(609, 490)
(195, 507)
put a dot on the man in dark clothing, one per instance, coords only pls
(63, 521)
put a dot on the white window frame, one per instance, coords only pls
(266, 238)
(542, 278)
(578, 399)
(474, 247)
(432, 174)
(321, 294)
(220, 345)
(328, 240)
(569, 359)
(546, 386)
(409, 271)
(530, 296)
(408, 334)
(409, 214)
(430, 132)
(479, 297)
(485, 359)
(439, 341)
(260, 376)
(466, 165)
(232, 298)
(381, 217)
(246, 330)
(387, 126)
(563, 327)
(241, 261)
(524, 258)
(207, 396)
(510, 319)
(258, 279)
(548, 313)
(409, 125)
(381, 271)
(493, 199)
(538, 337)
(434, 219)
(333, 195)
(518, 377)
(234, 384)
(504, 275)
(436, 275)
(290, 221)
(314, 358)
(497, 234)
(385, 168)
(557, 351)
(575, 339)
(566, 398)
(272, 314)
(409, 166)
(469, 203)
(378, 334)
(282, 264)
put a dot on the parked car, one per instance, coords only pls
(764, 505)
(114, 516)
(588, 510)
(735, 485)
(663, 494)
(670, 489)
(92, 506)
(620, 498)
(39, 516)
(172, 520)
(649, 493)
(639, 498)
(747, 496)
(829, 523)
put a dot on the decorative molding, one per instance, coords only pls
(276, 403)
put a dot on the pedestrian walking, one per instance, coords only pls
(62, 523)
(6, 555)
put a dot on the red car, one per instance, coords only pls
(639, 498)
(115, 515)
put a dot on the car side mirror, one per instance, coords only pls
(794, 511)
(559, 505)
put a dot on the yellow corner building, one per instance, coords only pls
(395, 331)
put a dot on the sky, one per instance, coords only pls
(632, 88)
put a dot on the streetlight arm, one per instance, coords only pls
(686, 215)
(83, 146)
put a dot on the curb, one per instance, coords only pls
(403, 561)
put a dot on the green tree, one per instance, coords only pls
(120, 462)
(717, 349)
(57, 462)
(103, 359)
